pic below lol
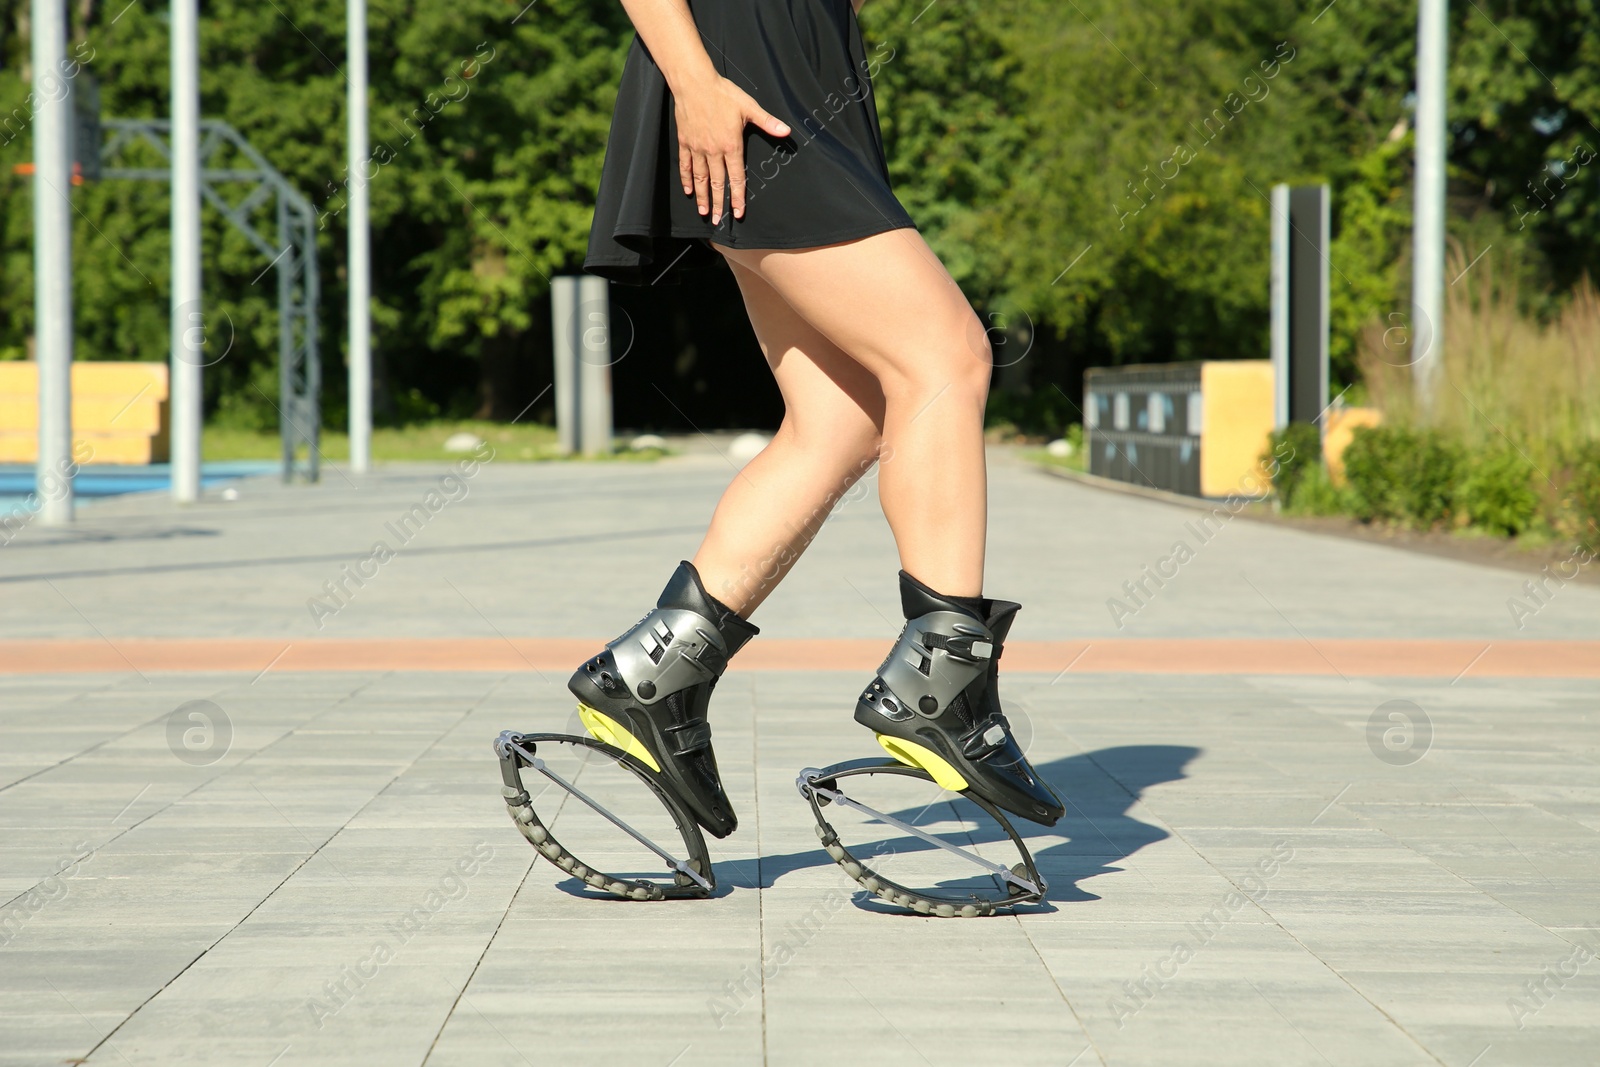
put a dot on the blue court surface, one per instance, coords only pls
(93, 482)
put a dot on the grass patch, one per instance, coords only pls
(1505, 377)
(1075, 462)
(1512, 444)
(1076, 459)
(421, 442)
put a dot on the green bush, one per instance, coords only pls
(1398, 474)
(1292, 454)
(1584, 487)
(1429, 475)
(1369, 469)
(1496, 492)
(1317, 495)
(1423, 477)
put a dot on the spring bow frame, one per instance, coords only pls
(1022, 882)
(692, 876)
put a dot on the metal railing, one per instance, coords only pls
(294, 256)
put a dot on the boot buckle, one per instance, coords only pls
(974, 647)
(985, 740)
(691, 737)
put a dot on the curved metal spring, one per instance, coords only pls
(1023, 881)
(692, 877)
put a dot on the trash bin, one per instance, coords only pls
(1195, 428)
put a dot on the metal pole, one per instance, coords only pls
(1428, 234)
(1324, 304)
(289, 415)
(563, 309)
(188, 324)
(311, 368)
(1280, 306)
(592, 338)
(52, 261)
(360, 238)
(1308, 303)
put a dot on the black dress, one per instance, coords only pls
(805, 62)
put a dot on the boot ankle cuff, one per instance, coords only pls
(917, 597)
(735, 631)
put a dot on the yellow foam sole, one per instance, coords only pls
(914, 755)
(606, 729)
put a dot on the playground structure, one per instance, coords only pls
(294, 257)
(187, 145)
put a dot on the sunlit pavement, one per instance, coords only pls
(1328, 802)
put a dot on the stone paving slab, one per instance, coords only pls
(136, 567)
(218, 915)
(1245, 874)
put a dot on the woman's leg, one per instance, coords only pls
(833, 414)
(888, 303)
(837, 408)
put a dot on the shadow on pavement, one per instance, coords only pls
(1099, 788)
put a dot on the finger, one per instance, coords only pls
(767, 121)
(736, 180)
(702, 178)
(685, 169)
(719, 185)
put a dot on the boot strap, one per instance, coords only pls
(968, 646)
(986, 738)
(711, 658)
(691, 737)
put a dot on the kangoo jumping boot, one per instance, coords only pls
(935, 703)
(647, 693)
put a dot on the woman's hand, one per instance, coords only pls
(712, 113)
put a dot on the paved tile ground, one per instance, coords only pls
(1240, 878)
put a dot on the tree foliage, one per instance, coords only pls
(488, 124)
(1099, 166)
(1135, 219)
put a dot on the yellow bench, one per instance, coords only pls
(1237, 421)
(119, 412)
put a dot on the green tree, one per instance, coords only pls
(1098, 167)
(488, 126)
(948, 94)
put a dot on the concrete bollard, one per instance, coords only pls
(580, 320)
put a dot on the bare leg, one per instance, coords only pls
(888, 303)
(829, 438)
